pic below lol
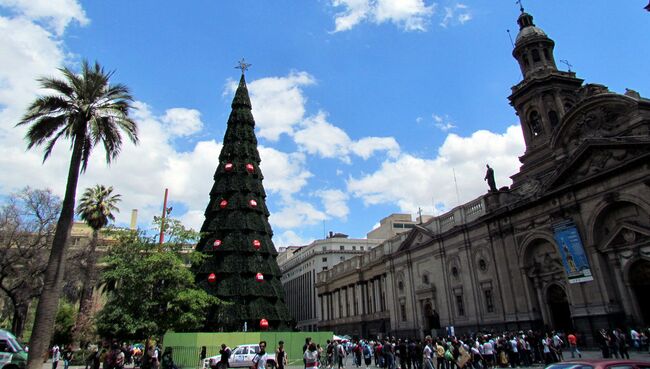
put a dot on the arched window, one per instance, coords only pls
(535, 123)
(536, 57)
(553, 118)
(546, 54)
(526, 61)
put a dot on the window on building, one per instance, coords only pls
(324, 268)
(482, 265)
(342, 258)
(425, 279)
(552, 116)
(402, 309)
(324, 260)
(361, 248)
(536, 57)
(400, 285)
(546, 54)
(324, 248)
(535, 123)
(354, 248)
(489, 304)
(459, 305)
(454, 272)
(409, 225)
(342, 247)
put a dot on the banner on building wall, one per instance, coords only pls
(572, 252)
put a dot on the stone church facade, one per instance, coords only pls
(566, 246)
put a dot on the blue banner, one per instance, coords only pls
(573, 254)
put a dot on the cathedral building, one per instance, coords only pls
(565, 247)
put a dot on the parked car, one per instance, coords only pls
(12, 353)
(601, 364)
(241, 357)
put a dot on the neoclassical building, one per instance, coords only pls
(566, 246)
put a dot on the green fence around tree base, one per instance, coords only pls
(187, 346)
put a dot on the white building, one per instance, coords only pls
(299, 266)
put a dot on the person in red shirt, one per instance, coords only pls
(573, 345)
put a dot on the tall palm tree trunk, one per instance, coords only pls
(48, 302)
(90, 280)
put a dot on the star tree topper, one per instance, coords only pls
(243, 66)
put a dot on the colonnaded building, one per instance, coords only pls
(566, 246)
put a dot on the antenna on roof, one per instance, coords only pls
(568, 65)
(456, 183)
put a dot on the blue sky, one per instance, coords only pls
(363, 107)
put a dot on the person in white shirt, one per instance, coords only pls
(56, 356)
(427, 353)
(259, 361)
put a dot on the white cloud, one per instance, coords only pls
(290, 238)
(56, 14)
(456, 14)
(284, 173)
(182, 122)
(409, 15)
(443, 123)
(367, 146)
(334, 202)
(295, 213)
(278, 102)
(319, 137)
(411, 182)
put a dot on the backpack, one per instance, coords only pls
(366, 351)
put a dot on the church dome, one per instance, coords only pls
(528, 32)
(527, 28)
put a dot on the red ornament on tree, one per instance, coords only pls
(257, 244)
(216, 244)
(223, 204)
(259, 277)
(212, 278)
(228, 167)
(250, 168)
(253, 203)
(264, 324)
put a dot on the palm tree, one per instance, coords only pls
(88, 111)
(96, 208)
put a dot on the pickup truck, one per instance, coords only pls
(241, 357)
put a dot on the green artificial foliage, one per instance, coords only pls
(238, 225)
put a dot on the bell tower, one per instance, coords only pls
(542, 98)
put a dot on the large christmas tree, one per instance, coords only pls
(240, 267)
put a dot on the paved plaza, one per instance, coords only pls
(635, 355)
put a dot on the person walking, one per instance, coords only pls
(573, 345)
(67, 356)
(311, 356)
(427, 353)
(56, 356)
(259, 360)
(281, 356)
(225, 352)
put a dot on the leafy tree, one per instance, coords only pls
(27, 223)
(65, 319)
(86, 109)
(96, 208)
(150, 288)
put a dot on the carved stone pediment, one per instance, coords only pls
(626, 236)
(417, 236)
(597, 156)
(603, 115)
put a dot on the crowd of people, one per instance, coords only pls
(477, 351)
